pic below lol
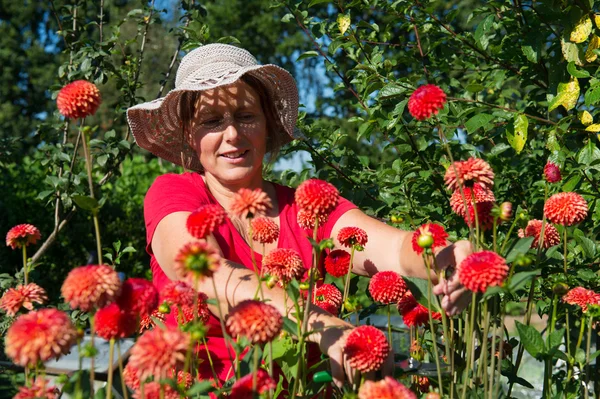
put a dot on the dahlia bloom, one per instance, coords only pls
(473, 170)
(78, 99)
(480, 192)
(552, 173)
(152, 390)
(39, 336)
(582, 297)
(243, 388)
(248, 203)
(566, 209)
(337, 263)
(147, 322)
(426, 101)
(138, 297)
(158, 351)
(91, 287)
(306, 219)
(195, 261)
(178, 293)
(185, 313)
(387, 287)
(22, 234)
(258, 321)
(203, 221)
(366, 348)
(317, 197)
(351, 236)
(413, 313)
(328, 297)
(131, 377)
(422, 384)
(22, 297)
(534, 229)
(264, 230)
(283, 263)
(436, 231)
(112, 322)
(388, 388)
(40, 389)
(481, 270)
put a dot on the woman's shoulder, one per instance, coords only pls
(170, 185)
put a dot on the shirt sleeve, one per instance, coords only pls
(168, 194)
(342, 207)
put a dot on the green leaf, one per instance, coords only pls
(572, 52)
(576, 73)
(554, 339)
(418, 287)
(343, 21)
(521, 247)
(477, 121)
(290, 326)
(85, 202)
(592, 95)
(474, 87)
(307, 54)
(391, 90)
(588, 154)
(517, 137)
(567, 95)
(588, 246)
(200, 388)
(531, 54)
(102, 159)
(519, 280)
(315, 2)
(531, 339)
(571, 183)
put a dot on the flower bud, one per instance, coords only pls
(397, 219)
(271, 281)
(560, 289)
(552, 173)
(164, 308)
(425, 240)
(349, 306)
(305, 285)
(505, 211)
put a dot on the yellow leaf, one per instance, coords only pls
(343, 21)
(597, 20)
(567, 95)
(585, 118)
(593, 128)
(582, 30)
(518, 136)
(590, 56)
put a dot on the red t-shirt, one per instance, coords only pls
(187, 192)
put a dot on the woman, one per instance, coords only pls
(225, 113)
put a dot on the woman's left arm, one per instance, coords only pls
(389, 248)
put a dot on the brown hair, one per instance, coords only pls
(275, 139)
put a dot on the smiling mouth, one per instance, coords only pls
(235, 155)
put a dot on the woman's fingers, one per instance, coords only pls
(338, 371)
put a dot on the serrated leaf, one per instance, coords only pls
(588, 154)
(518, 136)
(307, 54)
(102, 159)
(477, 121)
(572, 52)
(391, 90)
(552, 142)
(585, 118)
(593, 128)
(576, 73)
(590, 55)
(582, 30)
(554, 339)
(531, 339)
(567, 95)
(343, 21)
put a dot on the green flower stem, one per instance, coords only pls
(512, 226)
(470, 344)
(587, 355)
(581, 331)
(553, 318)
(25, 273)
(123, 386)
(254, 265)
(88, 165)
(347, 278)
(210, 362)
(389, 323)
(109, 380)
(92, 359)
(448, 341)
(221, 321)
(476, 216)
(429, 310)
(482, 369)
(489, 385)
(496, 388)
(567, 324)
(255, 370)
(495, 235)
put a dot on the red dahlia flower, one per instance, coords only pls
(248, 203)
(243, 388)
(566, 209)
(481, 270)
(264, 230)
(337, 263)
(534, 229)
(178, 293)
(552, 173)
(91, 287)
(22, 296)
(39, 336)
(185, 313)
(413, 313)
(131, 376)
(22, 234)
(436, 231)
(317, 197)
(387, 287)
(40, 389)
(258, 321)
(138, 297)
(147, 322)
(195, 261)
(78, 99)
(582, 297)
(480, 192)
(473, 170)
(366, 348)
(306, 219)
(351, 236)
(388, 388)
(158, 351)
(328, 297)
(426, 101)
(112, 322)
(203, 221)
(283, 263)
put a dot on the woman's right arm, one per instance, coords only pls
(235, 283)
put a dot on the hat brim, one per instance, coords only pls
(156, 125)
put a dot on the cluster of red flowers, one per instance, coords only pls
(582, 297)
(534, 229)
(388, 388)
(481, 270)
(413, 313)
(205, 220)
(22, 297)
(195, 261)
(316, 199)
(22, 234)
(437, 233)
(248, 203)
(366, 348)
(328, 298)
(182, 297)
(426, 101)
(284, 264)
(78, 99)
(387, 287)
(256, 320)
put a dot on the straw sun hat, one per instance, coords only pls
(156, 125)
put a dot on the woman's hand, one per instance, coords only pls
(332, 341)
(456, 297)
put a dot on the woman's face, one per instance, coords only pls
(230, 133)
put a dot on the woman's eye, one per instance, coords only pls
(246, 117)
(213, 122)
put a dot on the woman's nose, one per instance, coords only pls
(231, 132)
